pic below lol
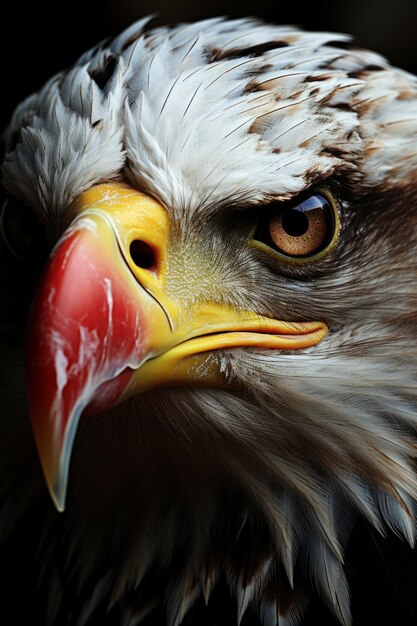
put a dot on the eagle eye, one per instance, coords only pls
(303, 229)
(21, 232)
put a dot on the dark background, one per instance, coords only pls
(38, 39)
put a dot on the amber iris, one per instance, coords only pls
(302, 229)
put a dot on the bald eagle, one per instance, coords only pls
(208, 334)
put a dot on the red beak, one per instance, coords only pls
(86, 333)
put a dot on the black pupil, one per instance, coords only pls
(295, 222)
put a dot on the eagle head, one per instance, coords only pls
(209, 235)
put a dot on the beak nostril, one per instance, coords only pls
(143, 255)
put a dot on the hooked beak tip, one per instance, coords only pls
(56, 469)
(58, 497)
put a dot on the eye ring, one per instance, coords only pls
(301, 231)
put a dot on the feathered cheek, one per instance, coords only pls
(104, 325)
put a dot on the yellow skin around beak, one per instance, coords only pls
(109, 321)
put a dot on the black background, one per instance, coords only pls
(38, 39)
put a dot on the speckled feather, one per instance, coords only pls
(205, 117)
(192, 115)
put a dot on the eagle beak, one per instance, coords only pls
(109, 321)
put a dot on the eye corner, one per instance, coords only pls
(302, 230)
